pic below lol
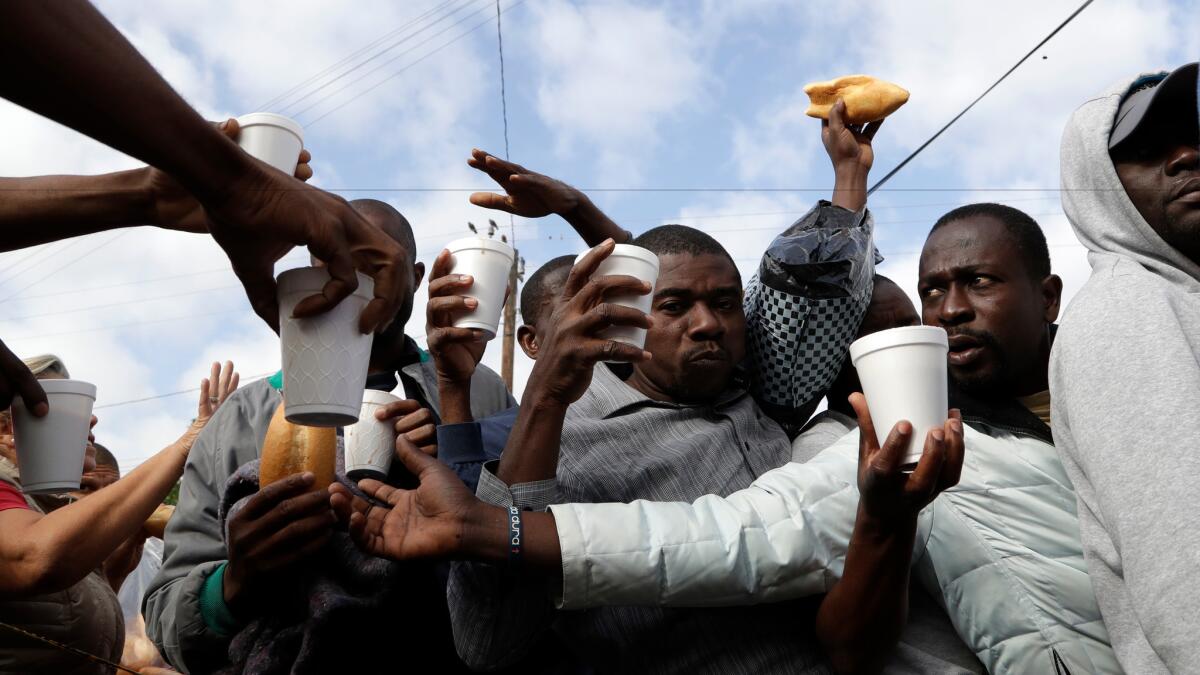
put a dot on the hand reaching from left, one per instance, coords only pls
(527, 194)
(176, 209)
(222, 381)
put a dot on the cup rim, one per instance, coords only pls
(314, 278)
(629, 251)
(475, 243)
(898, 337)
(273, 120)
(79, 387)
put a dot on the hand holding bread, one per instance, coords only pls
(867, 99)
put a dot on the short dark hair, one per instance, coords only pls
(668, 239)
(106, 458)
(543, 284)
(398, 226)
(1030, 240)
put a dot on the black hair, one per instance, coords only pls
(668, 239)
(106, 458)
(542, 285)
(398, 226)
(1030, 240)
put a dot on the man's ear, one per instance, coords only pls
(418, 274)
(1052, 287)
(527, 338)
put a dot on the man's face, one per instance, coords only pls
(974, 283)
(699, 332)
(1160, 171)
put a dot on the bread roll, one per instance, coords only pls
(156, 525)
(867, 99)
(291, 448)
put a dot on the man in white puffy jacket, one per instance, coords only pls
(1001, 549)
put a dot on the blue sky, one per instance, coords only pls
(613, 94)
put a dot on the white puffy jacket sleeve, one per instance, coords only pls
(783, 537)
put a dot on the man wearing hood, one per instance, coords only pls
(1125, 372)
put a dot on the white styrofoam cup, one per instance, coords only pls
(489, 263)
(903, 376)
(325, 357)
(370, 444)
(634, 261)
(51, 449)
(272, 138)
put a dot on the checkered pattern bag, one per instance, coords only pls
(806, 303)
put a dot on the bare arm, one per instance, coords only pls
(41, 209)
(67, 62)
(533, 195)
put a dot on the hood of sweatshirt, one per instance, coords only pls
(1104, 218)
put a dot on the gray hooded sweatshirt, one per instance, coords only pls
(1125, 382)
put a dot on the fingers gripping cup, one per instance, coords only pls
(325, 357)
(903, 375)
(489, 262)
(370, 443)
(274, 139)
(50, 449)
(634, 261)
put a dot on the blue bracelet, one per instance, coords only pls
(516, 535)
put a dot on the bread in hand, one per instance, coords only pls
(868, 99)
(291, 448)
(156, 524)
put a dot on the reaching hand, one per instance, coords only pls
(529, 194)
(16, 380)
(456, 351)
(177, 209)
(425, 523)
(887, 493)
(849, 146)
(282, 524)
(571, 346)
(222, 381)
(261, 214)
(412, 423)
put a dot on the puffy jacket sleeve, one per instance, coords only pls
(783, 537)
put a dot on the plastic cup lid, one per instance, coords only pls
(468, 243)
(274, 120)
(895, 337)
(69, 387)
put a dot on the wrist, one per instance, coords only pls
(884, 529)
(484, 533)
(850, 187)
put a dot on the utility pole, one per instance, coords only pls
(516, 275)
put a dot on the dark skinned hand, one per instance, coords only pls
(17, 381)
(848, 145)
(456, 351)
(424, 523)
(412, 423)
(571, 346)
(281, 525)
(527, 194)
(889, 494)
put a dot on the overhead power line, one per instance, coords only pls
(65, 265)
(350, 57)
(987, 91)
(405, 68)
(295, 104)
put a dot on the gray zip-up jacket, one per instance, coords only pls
(194, 543)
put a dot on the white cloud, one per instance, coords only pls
(609, 74)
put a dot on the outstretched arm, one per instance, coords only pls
(533, 195)
(863, 615)
(67, 62)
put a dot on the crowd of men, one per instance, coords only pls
(672, 509)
